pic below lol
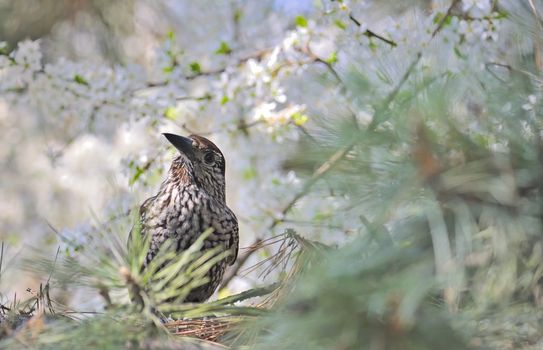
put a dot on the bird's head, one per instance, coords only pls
(201, 161)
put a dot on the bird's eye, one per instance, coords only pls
(209, 158)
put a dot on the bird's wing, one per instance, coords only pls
(225, 223)
(144, 207)
(234, 242)
(142, 211)
(142, 219)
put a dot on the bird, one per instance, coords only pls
(191, 200)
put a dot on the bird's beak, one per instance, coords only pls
(183, 144)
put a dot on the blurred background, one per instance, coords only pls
(402, 138)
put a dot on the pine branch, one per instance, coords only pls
(331, 162)
(328, 165)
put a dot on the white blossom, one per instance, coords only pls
(28, 55)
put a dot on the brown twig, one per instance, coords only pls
(510, 69)
(205, 97)
(255, 55)
(371, 34)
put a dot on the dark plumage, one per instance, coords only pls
(189, 201)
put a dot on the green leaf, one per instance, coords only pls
(224, 100)
(224, 49)
(301, 21)
(501, 14)
(440, 16)
(195, 68)
(170, 113)
(299, 118)
(136, 176)
(458, 53)
(168, 69)
(13, 239)
(249, 174)
(237, 15)
(340, 24)
(332, 58)
(319, 217)
(80, 80)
